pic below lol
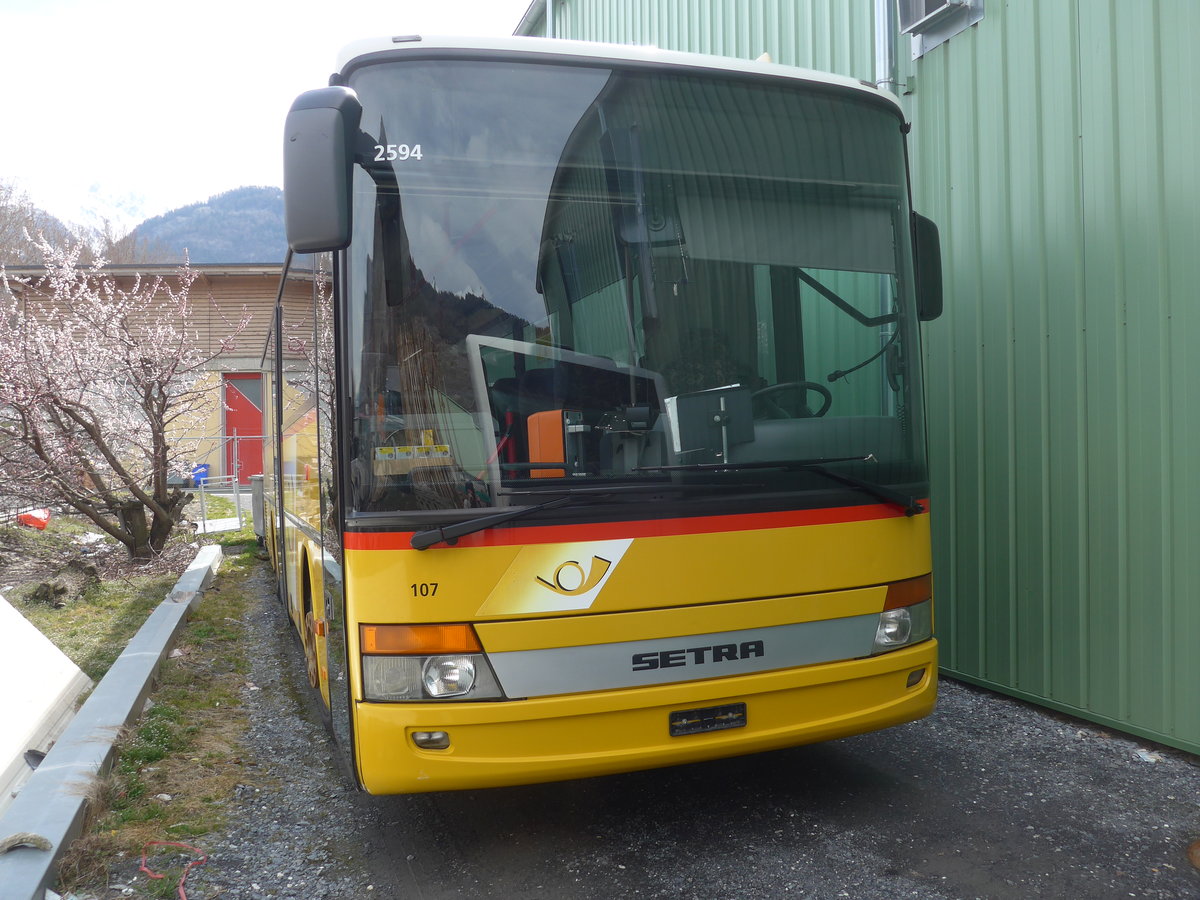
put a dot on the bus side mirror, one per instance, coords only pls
(318, 158)
(927, 258)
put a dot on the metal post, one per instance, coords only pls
(724, 431)
(237, 490)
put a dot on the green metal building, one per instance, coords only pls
(1054, 144)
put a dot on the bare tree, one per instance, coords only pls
(124, 248)
(23, 226)
(20, 224)
(97, 386)
(16, 217)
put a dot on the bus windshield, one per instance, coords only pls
(575, 276)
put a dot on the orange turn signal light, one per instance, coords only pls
(419, 640)
(908, 592)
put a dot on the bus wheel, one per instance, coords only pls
(310, 649)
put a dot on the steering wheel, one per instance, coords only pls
(764, 399)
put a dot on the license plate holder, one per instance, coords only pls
(708, 718)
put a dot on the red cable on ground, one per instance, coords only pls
(182, 878)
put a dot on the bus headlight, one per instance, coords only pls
(392, 678)
(417, 663)
(895, 628)
(907, 617)
(448, 676)
(904, 626)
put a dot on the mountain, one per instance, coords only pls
(21, 225)
(244, 225)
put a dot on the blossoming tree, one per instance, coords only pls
(98, 386)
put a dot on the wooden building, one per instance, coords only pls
(230, 443)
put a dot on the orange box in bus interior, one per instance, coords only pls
(546, 442)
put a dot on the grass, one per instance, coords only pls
(217, 506)
(94, 630)
(176, 770)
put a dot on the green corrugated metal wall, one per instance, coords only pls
(1054, 144)
(832, 36)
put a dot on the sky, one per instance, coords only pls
(125, 109)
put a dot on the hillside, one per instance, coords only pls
(244, 225)
(20, 225)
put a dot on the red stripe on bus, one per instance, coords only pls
(602, 531)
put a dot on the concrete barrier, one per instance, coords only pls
(49, 811)
(39, 689)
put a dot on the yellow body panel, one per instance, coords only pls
(575, 736)
(671, 570)
(581, 593)
(580, 631)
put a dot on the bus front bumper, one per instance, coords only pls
(580, 735)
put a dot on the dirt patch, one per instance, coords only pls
(82, 590)
(28, 557)
(60, 565)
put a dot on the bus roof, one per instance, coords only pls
(356, 53)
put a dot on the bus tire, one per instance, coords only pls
(310, 647)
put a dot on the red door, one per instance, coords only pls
(243, 426)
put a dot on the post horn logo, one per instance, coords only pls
(571, 580)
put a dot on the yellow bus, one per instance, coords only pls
(598, 445)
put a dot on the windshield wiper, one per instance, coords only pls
(450, 534)
(422, 540)
(880, 492)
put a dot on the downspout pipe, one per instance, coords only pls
(885, 46)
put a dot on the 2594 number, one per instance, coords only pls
(393, 152)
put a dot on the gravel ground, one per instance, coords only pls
(989, 797)
(296, 835)
(291, 832)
